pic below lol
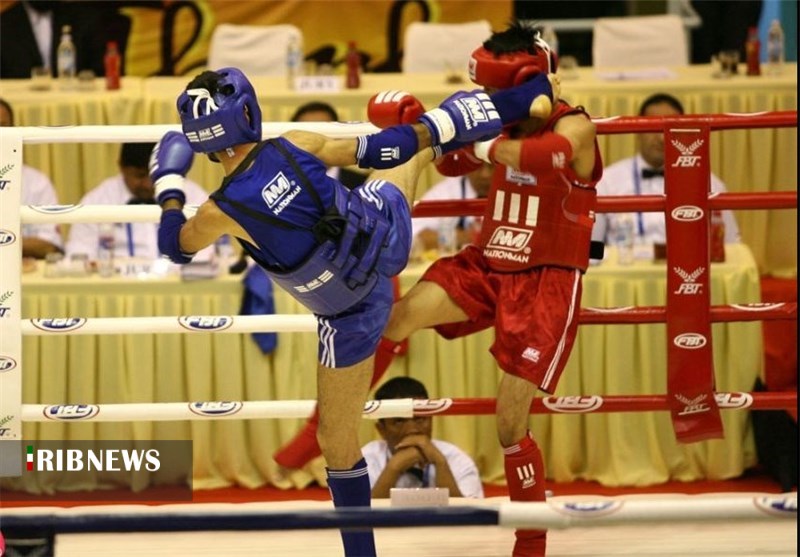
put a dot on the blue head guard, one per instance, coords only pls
(215, 122)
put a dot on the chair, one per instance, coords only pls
(659, 40)
(254, 49)
(440, 47)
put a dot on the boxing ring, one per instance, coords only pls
(691, 400)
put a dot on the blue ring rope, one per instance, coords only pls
(357, 517)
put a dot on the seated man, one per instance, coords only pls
(474, 185)
(132, 186)
(408, 456)
(317, 111)
(643, 174)
(37, 239)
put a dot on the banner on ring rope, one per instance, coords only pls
(690, 366)
(119, 464)
(10, 300)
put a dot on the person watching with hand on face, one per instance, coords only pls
(37, 239)
(408, 457)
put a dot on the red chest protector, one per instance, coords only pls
(540, 217)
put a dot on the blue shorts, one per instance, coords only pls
(353, 335)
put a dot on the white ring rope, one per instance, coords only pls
(70, 214)
(277, 323)
(147, 133)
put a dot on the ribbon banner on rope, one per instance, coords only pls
(690, 364)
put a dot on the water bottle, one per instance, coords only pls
(775, 48)
(549, 36)
(447, 237)
(625, 238)
(294, 59)
(226, 255)
(112, 65)
(105, 250)
(66, 59)
(353, 63)
(717, 237)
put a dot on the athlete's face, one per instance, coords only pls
(651, 145)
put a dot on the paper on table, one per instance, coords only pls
(641, 73)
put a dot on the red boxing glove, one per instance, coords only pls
(392, 108)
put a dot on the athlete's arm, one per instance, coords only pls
(205, 227)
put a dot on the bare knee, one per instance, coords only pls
(514, 399)
(510, 431)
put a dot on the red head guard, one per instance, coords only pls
(507, 70)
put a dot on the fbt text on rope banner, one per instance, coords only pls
(717, 203)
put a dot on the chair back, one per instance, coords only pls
(255, 49)
(658, 40)
(442, 47)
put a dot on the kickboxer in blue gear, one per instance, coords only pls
(331, 248)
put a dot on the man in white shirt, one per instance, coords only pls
(643, 174)
(132, 186)
(37, 239)
(408, 457)
(474, 185)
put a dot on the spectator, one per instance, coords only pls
(408, 456)
(643, 174)
(132, 186)
(317, 111)
(474, 185)
(37, 239)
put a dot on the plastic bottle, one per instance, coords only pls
(447, 237)
(353, 63)
(105, 250)
(752, 49)
(66, 59)
(775, 48)
(226, 256)
(625, 238)
(294, 59)
(112, 64)
(717, 237)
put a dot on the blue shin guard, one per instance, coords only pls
(350, 488)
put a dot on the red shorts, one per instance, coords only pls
(534, 312)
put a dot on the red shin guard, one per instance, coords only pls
(303, 447)
(525, 478)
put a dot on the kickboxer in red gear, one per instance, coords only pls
(524, 276)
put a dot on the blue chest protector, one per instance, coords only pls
(315, 238)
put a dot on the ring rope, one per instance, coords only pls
(389, 408)
(545, 515)
(68, 214)
(306, 323)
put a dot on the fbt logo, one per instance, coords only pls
(4, 183)
(59, 325)
(696, 405)
(7, 363)
(689, 286)
(690, 341)
(587, 509)
(431, 406)
(78, 460)
(687, 158)
(71, 412)
(687, 213)
(5, 431)
(5, 310)
(215, 408)
(279, 192)
(7, 237)
(573, 404)
(205, 322)
(509, 238)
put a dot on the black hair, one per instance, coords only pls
(4, 104)
(520, 36)
(315, 106)
(661, 98)
(401, 387)
(136, 155)
(209, 81)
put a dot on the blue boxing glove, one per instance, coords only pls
(532, 98)
(464, 117)
(170, 161)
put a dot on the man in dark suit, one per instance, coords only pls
(92, 25)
